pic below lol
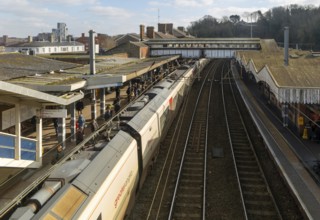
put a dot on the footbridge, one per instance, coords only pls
(202, 47)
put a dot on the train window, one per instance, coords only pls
(151, 95)
(158, 87)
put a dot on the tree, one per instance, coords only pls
(234, 19)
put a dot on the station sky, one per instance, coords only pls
(22, 18)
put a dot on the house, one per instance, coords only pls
(85, 41)
(46, 47)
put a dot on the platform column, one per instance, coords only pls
(93, 105)
(73, 121)
(62, 131)
(17, 144)
(39, 148)
(284, 112)
(102, 101)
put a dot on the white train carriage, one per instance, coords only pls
(104, 189)
(153, 121)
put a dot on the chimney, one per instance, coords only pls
(162, 28)
(82, 35)
(141, 32)
(51, 38)
(181, 28)
(169, 28)
(286, 46)
(150, 32)
(30, 39)
(5, 39)
(92, 52)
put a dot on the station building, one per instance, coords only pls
(291, 84)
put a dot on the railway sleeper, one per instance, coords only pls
(251, 181)
(238, 141)
(244, 157)
(193, 205)
(242, 148)
(249, 172)
(195, 169)
(248, 185)
(243, 145)
(192, 175)
(239, 136)
(256, 195)
(186, 215)
(193, 163)
(191, 181)
(194, 191)
(254, 213)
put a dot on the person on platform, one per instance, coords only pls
(58, 154)
(55, 125)
(81, 122)
(117, 105)
(108, 113)
(79, 136)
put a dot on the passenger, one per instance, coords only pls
(94, 125)
(55, 125)
(128, 93)
(81, 122)
(108, 113)
(117, 105)
(58, 155)
(79, 136)
(117, 92)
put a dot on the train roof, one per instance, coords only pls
(92, 177)
(158, 95)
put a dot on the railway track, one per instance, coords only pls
(222, 198)
(257, 199)
(188, 200)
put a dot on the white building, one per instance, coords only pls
(40, 47)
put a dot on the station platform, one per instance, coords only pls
(294, 155)
(49, 138)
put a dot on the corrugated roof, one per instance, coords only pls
(303, 69)
(46, 44)
(164, 36)
(79, 77)
(14, 65)
(139, 44)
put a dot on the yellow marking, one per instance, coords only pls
(68, 204)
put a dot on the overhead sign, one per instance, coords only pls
(52, 113)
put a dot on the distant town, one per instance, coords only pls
(60, 41)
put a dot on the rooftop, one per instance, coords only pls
(15, 65)
(302, 71)
(110, 70)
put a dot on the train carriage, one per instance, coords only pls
(103, 189)
(107, 186)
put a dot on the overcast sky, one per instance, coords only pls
(22, 18)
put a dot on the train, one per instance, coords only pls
(103, 180)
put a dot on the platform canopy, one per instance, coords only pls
(12, 94)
